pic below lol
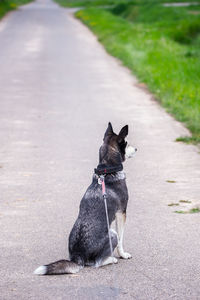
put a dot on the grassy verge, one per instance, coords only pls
(7, 5)
(95, 3)
(85, 3)
(161, 45)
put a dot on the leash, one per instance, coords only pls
(102, 182)
(101, 171)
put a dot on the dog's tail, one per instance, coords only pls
(58, 267)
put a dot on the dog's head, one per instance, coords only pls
(115, 149)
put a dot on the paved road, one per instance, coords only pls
(58, 90)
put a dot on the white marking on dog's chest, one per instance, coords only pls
(120, 175)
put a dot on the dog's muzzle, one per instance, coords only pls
(130, 151)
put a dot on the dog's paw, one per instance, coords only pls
(108, 261)
(125, 255)
(115, 260)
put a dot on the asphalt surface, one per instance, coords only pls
(58, 90)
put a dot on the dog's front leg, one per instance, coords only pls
(120, 223)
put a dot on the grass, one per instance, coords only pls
(188, 140)
(185, 201)
(85, 3)
(180, 201)
(173, 204)
(171, 181)
(7, 5)
(191, 211)
(97, 3)
(161, 45)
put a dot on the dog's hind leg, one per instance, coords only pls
(109, 260)
(120, 223)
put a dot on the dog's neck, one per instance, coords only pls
(113, 177)
(104, 169)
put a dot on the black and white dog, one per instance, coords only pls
(89, 238)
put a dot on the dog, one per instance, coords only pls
(91, 239)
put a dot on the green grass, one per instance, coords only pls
(85, 3)
(161, 45)
(173, 204)
(171, 181)
(7, 5)
(185, 201)
(188, 140)
(191, 211)
(95, 3)
(4, 7)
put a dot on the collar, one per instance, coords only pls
(104, 170)
(112, 177)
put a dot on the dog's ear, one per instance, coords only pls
(123, 133)
(109, 131)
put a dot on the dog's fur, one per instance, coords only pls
(89, 240)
